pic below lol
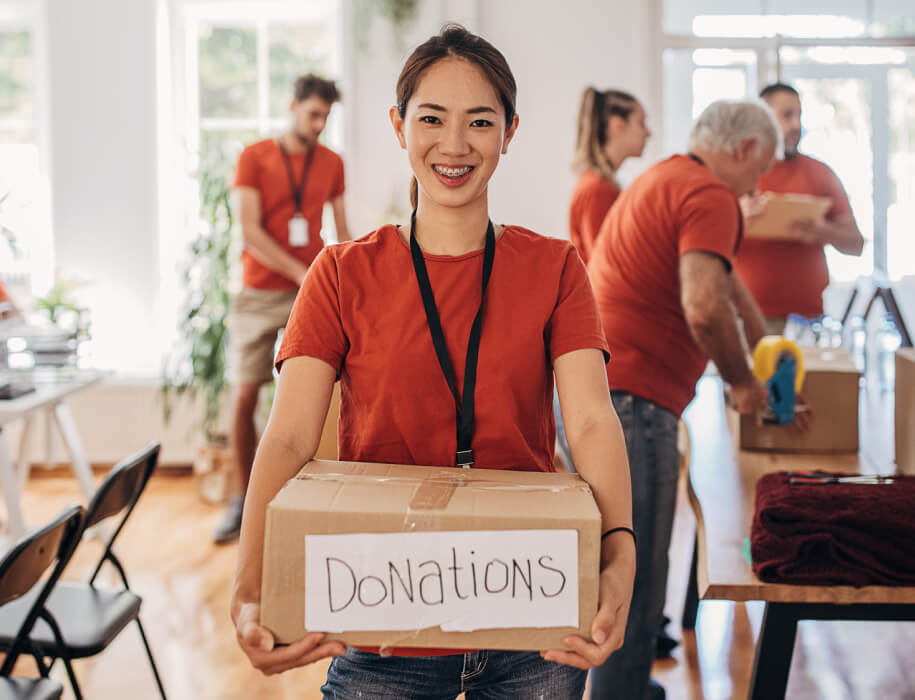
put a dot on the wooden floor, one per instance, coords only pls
(185, 583)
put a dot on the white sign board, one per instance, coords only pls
(460, 581)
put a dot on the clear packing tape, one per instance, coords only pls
(769, 351)
(433, 491)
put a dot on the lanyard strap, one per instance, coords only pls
(298, 190)
(696, 158)
(463, 402)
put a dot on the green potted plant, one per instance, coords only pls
(196, 369)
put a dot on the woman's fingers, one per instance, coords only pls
(568, 658)
(302, 658)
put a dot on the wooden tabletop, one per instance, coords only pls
(722, 487)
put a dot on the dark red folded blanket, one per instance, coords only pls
(834, 534)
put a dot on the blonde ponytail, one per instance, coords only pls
(593, 116)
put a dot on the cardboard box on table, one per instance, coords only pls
(905, 410)
(431, 557)
(782, 210)
(831, 391)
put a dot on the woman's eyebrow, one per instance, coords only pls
(483, 109)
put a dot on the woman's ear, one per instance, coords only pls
(509, 134)
(397, 123)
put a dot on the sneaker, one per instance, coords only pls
(228, 528)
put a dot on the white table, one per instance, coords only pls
(50, 396)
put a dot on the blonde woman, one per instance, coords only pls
(611, 128)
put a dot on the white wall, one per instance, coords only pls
(103, 153)
(555, 50)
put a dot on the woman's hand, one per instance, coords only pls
(259, 645)
(609, 626)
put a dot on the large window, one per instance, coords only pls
(853, 62)
(228, 82)
(242, 60)
(25, 234)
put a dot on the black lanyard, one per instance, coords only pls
(697, 159)
(298, 191)
(463, 403)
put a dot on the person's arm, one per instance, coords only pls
(290, 439)
(705, 294)
(260, 243)
(841, 233)
(340, 219)
(599, 452)
(754, 326)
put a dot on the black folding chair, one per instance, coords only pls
(91, 617)
(20, 575)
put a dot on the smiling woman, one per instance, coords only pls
(361, 318)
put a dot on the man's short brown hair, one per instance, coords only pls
(311, 84)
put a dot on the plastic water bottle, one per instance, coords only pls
(857, 343)
(888, 342)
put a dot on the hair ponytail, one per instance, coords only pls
(414, 192)
(594, 114)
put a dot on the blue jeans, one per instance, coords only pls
(654, 462)
(481, 675)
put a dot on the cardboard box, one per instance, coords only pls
(905, 410)
(382, 555)
(783, 209)
(831, 391)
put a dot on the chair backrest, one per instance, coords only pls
(118, 494)
(28, 560)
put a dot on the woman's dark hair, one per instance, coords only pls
(453, 41)
(596, 109)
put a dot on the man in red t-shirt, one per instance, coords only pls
(789, 276)
(283, 185)
(661, 271)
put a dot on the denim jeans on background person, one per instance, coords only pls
(480, 675)
(654, 464)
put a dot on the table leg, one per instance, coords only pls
(24, 464)
(67, 426)
(773, 652)
(11, 491)
(691, 604)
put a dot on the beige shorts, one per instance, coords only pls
(256, 317)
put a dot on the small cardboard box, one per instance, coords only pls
(831, 391)
(784, 209)
(905, 410)
(382, 555)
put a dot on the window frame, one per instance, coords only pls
(770, 69)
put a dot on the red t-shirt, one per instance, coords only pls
(674, 207)
(787, 276)
(591, 200)
(360, 310)
(262, 167)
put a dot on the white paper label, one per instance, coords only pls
(460, 581)
(298, 231)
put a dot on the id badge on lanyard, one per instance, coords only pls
(298, 224)
(298, 230)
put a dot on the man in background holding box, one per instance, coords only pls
(789, 275)
(283, 185)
